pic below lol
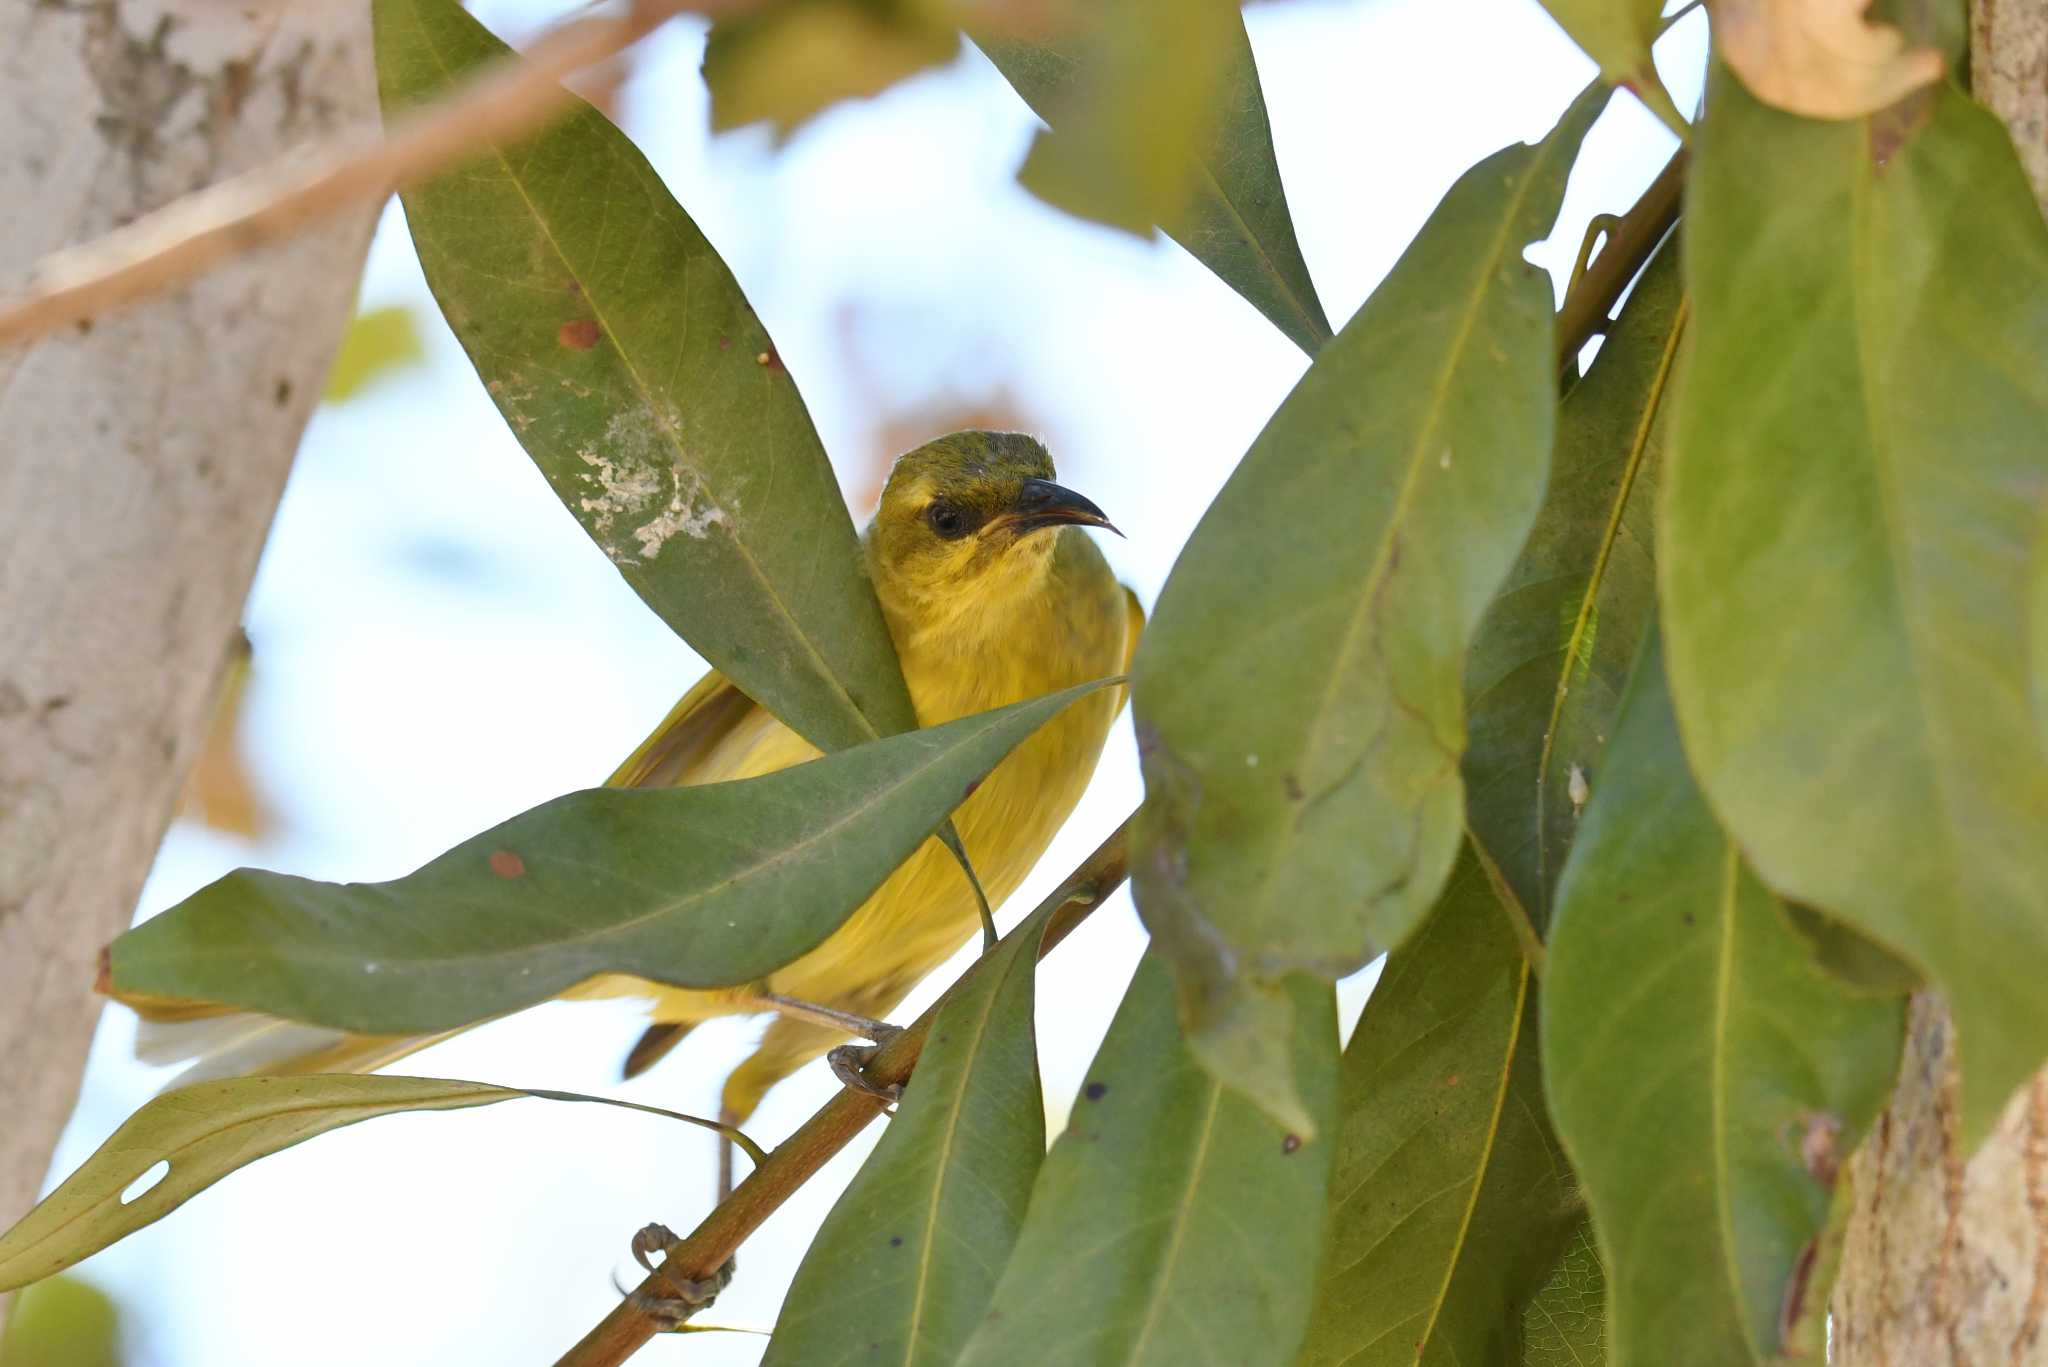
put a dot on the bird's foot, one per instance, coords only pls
(670, 1313)
(831, 1017)
(849, 1064)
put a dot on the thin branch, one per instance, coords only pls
(510, 97)
(794, 1161)
(1630, 239)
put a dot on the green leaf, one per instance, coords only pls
(1221, 198)
(904, 1266)
(2037, 622)
(1550, 660)
(711, 886)
(1172, 1222)
(635, 374)
(787, 62)
(1553, 653)
(1706, 1076)
(1337, 579)
(1451, 1200)
(1617, 34)
(1855, 480)
(1566, 1324)
(204, 1132)
(61, 1322)
(377, 342)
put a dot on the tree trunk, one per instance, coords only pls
(141, 456)
(1946, 1261)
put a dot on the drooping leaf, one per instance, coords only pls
(788, 61)
(1845, 532)
(1221, 198)
(1172, 1222)
(1706, 1076)
(904, 1266)
(1555, 647)
(1617, 34)
(633, 371)
(1566, 1324)
(1451, 1201)
(203, 1133)
(377, 342)
(1337, 578)
(710, 886)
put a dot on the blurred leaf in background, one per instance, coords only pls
(785, 62)
(378, 342)
(61, 1322)
(220, 789)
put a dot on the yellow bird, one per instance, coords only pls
(993, 594)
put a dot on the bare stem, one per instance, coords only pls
(506, 99)
(1630, 240)
(794, 1161)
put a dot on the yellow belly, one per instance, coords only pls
(925, 910)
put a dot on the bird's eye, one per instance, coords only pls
(946, 519)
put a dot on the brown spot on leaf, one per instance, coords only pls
(1095, 1091)
(506, 864)
(895, 1241)
(769, 359)
(575, 288)
(1454, 1079)
(1293, 786)
(103, 981)
(579, 334)
(1290, 1144)
(725, 344)
(1794, 1299)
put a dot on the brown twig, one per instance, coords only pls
(1590, 300)
(504, 100)
(698, 1258)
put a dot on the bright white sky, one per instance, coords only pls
(439, 647)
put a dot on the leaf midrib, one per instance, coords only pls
(1638, 449)
(1433, 416)
(742, 550)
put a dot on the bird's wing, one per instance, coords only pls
(673, 755)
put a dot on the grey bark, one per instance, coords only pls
(1946, 1258)
(141, 457)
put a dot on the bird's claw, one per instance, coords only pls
(849, 1064)
(670, 1313)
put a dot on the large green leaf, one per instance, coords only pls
(710, 886)
(1857, 470)
(1566, 1324)
(1552, 654)
(1705, 1074)
(1173, 1222)
(633, 371)
(1336, 580)
(904, 1266)
(1451, 1201)
(1617, 34)
(203, 1133)
(1550, 660)
(1200, 156)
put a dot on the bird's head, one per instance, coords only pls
(968, 518)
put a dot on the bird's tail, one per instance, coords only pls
(221, 1042)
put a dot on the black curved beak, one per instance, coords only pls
(1041, 503)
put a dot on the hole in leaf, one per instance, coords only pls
(146, 1183)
